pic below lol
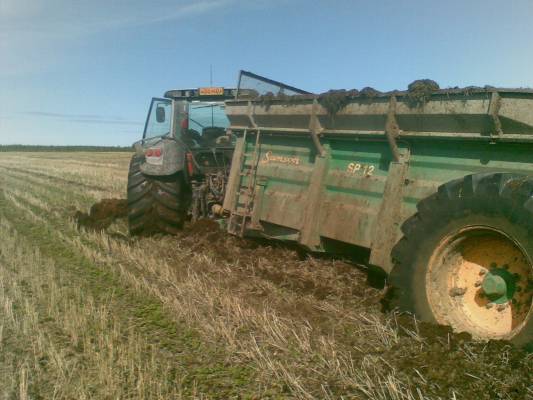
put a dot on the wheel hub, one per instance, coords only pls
(499, 285)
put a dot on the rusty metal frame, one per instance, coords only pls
(390, 213)
(255, 223)
(250, 114)
(508, 137)
(253, 172)
(230, 198)
(494, 109)
(309, 231)
(316, 129)
(392, 129)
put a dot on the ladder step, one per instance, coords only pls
(241, 213)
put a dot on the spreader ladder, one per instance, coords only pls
(244, 196)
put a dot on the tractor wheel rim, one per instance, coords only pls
(480, 281)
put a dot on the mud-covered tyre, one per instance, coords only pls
(466, 257)
(156, 204)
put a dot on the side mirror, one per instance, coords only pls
(160, 114)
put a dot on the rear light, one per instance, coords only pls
(190, 164)
(155, 152)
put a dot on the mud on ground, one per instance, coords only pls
(447, 361)
(426, 355)
(102, 214)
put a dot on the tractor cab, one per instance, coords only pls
(195, 116)
(186, 130)
(199, 117)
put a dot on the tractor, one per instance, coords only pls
(180, 165)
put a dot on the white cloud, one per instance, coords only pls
(34, 34)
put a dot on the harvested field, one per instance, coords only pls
(89, 313)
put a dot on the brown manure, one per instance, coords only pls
(420, 91)
(102, 214)
(335, 100)
(369, 92)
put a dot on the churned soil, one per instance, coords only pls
(285, 265)
(426, 355)
(451, 361)
(102, 214)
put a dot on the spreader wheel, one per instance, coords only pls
(466, 258)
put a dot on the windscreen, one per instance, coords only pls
(202, 124)
(252, 85)
(206, 115)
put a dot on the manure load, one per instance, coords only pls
(444, 113)
(437, 186)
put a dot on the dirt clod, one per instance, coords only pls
(420, 91)
(369, 92)
(102, 214)
(335, 100)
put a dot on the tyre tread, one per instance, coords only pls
(155, 204)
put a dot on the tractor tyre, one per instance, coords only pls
(156, 204)
(466, 258)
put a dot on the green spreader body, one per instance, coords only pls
(302, 173)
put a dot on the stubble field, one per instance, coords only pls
(88, 314)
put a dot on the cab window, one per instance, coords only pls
(206, 115)
(158, 120)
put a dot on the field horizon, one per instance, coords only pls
(62, 148)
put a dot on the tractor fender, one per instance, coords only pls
(163, 157)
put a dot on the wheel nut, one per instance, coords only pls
(477, 284)
(482, 272)
(457, 291)
(501, 307)
(489, 305)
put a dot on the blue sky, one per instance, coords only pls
(83, 72)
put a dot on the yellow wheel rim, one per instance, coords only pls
(480, 281)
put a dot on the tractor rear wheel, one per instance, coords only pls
(156, 204)
(466, 258)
